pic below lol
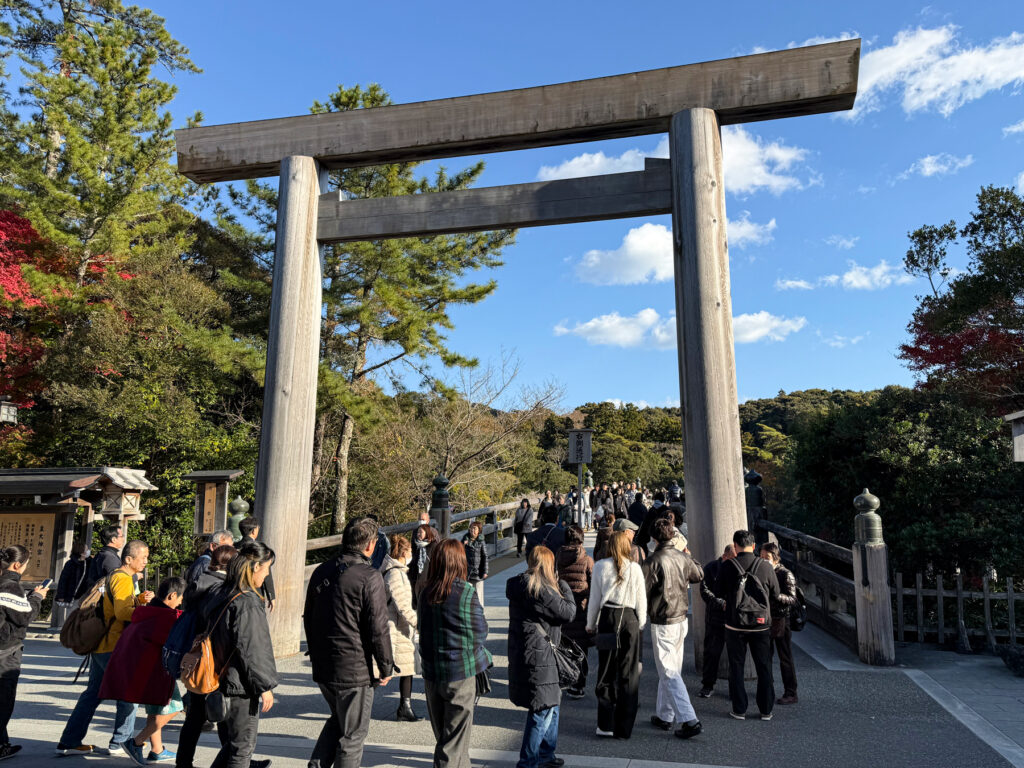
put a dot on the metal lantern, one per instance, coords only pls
(239, 508)
(8, 412)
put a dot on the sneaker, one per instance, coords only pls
(689, 730)
(114, 748)
(554, 762)
(164, 756)
(607, 734)
(134, 751)
(657, 722)
(789, 698)
(766, 717)
(736, 715)
(81, 749)
(9, 750)
(705, 693)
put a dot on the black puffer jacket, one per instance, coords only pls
(241, 642)
(346, 621)
(532, 673)
(476, 559)
(197, 592)
(104, 562)
(18, 610)
(787, 592)
(668, 574)
(576, 568)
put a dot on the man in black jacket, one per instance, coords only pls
(107, 560)
(550, 534)
(782, 636)
(637, 511)
(346, 622)
(250, 530)
(758, 578)
(714, 621)
(668, 574)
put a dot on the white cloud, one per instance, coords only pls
(743, 232)
(937, 165)
(763, 325)
(843, 242)
(1020, 183)
(882, 275)
(650, 330)
(838, 342)
(791, 285)
(864, 189)
(644, 329)
(619, 403)
(817, 40)
(749, 163)
(829, 280)
(1015, 128)
(645, 256)
(934, 72)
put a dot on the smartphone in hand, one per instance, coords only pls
(47, 583)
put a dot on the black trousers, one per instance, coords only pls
(340, 743)
(237, 732)
(520, 538)
(759, 644)
(714, 642)
(10, 671)
(618, 672)
(191, 730)
(782, 641)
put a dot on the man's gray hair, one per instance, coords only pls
(220, 538)
(133, 549)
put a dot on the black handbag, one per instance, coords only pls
(216, 707)
(568, 659)
(483, 683)
(798, 612)
(608, 641)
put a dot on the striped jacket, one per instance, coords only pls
(452, 636)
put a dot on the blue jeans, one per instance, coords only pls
(540, 738)
(85, 708)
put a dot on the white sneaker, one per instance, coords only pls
(606, 734)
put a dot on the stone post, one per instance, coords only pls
(440, 506)
(871, 580)
(707, 370)
(289, 396)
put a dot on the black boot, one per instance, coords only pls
(405, 712)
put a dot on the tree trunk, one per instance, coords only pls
(341, 482)
(52, 153)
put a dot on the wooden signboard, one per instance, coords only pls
(209, 508)
(36, 533)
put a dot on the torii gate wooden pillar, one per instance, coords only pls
(691, 102)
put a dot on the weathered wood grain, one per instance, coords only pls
(289, 400)
(715, 505)
(593, 198)
(765, 86)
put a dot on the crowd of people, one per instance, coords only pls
(402, 607)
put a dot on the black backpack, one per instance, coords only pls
(751, 599)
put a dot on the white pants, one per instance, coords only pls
(479, 586)
(673, 705)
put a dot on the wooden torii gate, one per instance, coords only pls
(691, 102)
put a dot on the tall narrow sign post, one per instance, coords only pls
(580, 452)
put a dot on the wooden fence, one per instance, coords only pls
(934, 614)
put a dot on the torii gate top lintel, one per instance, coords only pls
(764, 86)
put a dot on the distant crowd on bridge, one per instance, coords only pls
(401, 607)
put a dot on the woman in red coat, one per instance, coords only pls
(136, 674)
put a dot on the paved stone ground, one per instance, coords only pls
(845, 717)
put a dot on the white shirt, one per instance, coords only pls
(605, 587)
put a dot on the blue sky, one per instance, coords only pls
(819, 207)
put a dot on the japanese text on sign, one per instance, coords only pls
(579, 446)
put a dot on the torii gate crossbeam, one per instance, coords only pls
(691, 102)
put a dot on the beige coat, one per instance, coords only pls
(401, 616)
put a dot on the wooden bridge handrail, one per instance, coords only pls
(826, 548)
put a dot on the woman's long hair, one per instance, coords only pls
(540, 571)
(241, 568)
(447, 563)
(619, 549)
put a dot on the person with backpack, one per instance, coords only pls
(616, 615)
(476, 558)
(135, 672)
(782, 636)
(749, 585)
(349, 642)
(668, 574)
(453, 631)
(17, 611)
(523, 524)
(539, 603)
(118, 603)
(182, 636)
(107, 560)
(235, 617)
